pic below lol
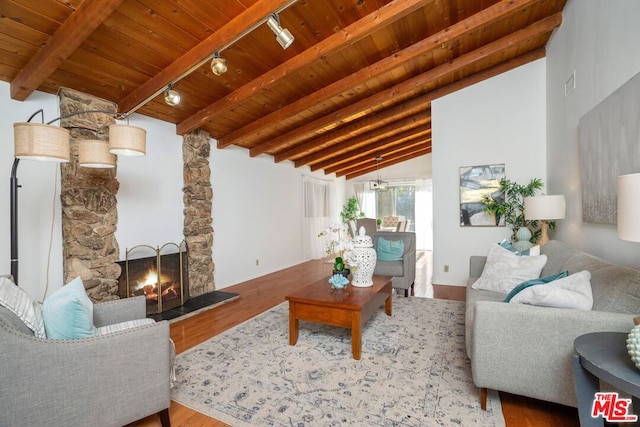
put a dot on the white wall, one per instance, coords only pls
(599, 40)
(257, 204)
(257, 214)
(150, 194)
(38, 200)
(498, 121)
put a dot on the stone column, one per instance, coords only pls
(198, 196)
(89, 211)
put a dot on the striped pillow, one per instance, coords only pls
(22, 305)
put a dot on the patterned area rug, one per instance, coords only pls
(413, 372)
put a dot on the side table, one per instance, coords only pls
(603, 356)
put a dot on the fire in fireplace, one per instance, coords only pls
(161, 276)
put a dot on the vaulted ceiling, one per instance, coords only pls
(357, 82)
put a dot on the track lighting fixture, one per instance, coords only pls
(218, 64)
(283, 36)
(171, 96)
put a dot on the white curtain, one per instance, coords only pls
(366, 199)
(424, 214)
(319, 208)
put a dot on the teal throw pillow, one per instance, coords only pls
(508, 246)
(390, 250)
(68, 312)
(533, 250)
(540, 281)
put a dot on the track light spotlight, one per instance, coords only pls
(283, 36)
(171, 96)
(218, 65)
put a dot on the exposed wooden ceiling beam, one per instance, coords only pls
(372, 152)
(67, 38)
(393, 118)
(427, 98)
(465, 27)
(388, 160)
(194, 57)
(349, 35)
(332, 164)
(406, 123)
(462, 61)
(354, 128)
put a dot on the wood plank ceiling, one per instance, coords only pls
(357, 82)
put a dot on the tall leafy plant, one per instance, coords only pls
(351, 211)
(512, 208)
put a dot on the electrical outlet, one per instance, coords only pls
(446, 268)
(257, 262)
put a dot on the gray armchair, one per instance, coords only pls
(369, 224)
(108, 380)
(403, 271)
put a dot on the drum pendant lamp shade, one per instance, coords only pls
(93, 153)
(127, 140)
(41, 142)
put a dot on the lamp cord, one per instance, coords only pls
(53, 220)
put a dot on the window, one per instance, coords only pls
(398, 201)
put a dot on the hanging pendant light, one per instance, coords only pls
(93, 153)
(378, 184)
(37, 141)
(127, 140)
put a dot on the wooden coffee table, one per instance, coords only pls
(347, 308)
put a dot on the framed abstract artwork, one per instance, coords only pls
(476, 182)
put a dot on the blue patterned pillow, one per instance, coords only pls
(540, 281)
(390, 250)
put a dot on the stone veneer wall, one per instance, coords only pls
(89, 205)
(198, 196)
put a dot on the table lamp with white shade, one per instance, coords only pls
(543, 209)
(629, 207)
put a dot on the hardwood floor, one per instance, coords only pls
(261, 294)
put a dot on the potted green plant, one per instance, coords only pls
(512, 208)
(351, 211)
(340, 245)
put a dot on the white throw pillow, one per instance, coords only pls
(573, 291)
(505, 270)
(22, 305)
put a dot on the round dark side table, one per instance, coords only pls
(603, 356)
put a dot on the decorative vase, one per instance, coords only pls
(523, 235)
(365, 257)
(633, 343)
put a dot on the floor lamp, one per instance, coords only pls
(44, 142)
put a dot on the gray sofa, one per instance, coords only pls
(109, 380)
(404, 271)
(527, 350)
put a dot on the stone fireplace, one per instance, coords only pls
(89, 206)
(159, 274)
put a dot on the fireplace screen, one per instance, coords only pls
(160, 274)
